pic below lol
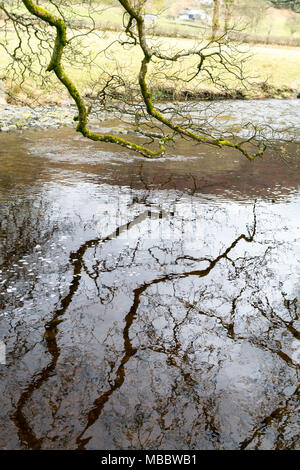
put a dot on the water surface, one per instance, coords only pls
(147, 305)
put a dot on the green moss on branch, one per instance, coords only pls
(55, 65)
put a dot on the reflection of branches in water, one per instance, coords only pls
(278, 414)
(106, 293)
(179, 360)
(204, 407)
(267, 311)
(25, 431)
(17, 236)
(18, 239)
(129, 350)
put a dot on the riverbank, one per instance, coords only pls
(13, 118)
(271, 112)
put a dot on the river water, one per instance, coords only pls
(147, 305)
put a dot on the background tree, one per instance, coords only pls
(216, 18)
(293, 24)
(292, 4)
(255, 11)
(228, 13)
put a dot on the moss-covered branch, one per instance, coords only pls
(135, 17)
(55, 65)
(148, 54)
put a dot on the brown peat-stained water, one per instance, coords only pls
(147, 305)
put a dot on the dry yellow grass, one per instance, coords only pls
(279, 65)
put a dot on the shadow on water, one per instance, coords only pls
(147, 304)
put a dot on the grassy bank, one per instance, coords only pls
(275, 72)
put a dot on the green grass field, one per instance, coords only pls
(279, 65)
